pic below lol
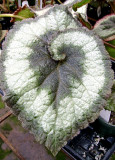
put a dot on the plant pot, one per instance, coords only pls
(104, 128)
(89, 145)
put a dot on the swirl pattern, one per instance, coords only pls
(56, 76)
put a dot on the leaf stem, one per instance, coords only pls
(59, 1)
(52, 1)
(92, 19)
(12, 15)
(108, 44)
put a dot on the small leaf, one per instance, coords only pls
(80, 4)
(23, 12)
(105, 27)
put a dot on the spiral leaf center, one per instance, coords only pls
(56, 49)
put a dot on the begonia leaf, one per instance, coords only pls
(56, 76)
(23, 12)
(105, 27)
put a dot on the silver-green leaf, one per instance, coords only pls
(56, 76)
(105, 27)
(71, 2)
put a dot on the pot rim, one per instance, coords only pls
(101, 119)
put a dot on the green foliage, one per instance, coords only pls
(80, 4)
(60, 156)
(14, 119)
(1, 142)
(24, 12)
(3, 153)
(2, 105)
(112, 157)
(6, 127)
(111, 50)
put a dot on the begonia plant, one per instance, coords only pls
(56, 76)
